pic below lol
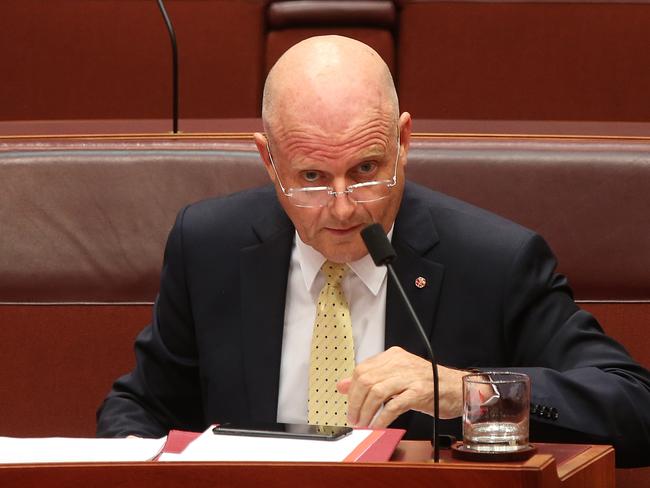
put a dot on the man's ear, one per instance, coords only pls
(404, 126)
(262, 148)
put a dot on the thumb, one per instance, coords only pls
(343, 386)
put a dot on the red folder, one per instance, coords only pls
(377, 447)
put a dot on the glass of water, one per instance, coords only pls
(496, 412)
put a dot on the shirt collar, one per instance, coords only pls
(311, 260)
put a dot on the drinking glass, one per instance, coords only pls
(496, 411)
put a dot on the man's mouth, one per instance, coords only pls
(344, 231)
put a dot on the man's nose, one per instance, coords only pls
(341, 206)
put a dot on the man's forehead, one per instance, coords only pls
(306, 159)
(315, 142)
(340, 124)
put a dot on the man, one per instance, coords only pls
(234, 323)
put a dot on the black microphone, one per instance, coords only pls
(172, 37)
(382, 254)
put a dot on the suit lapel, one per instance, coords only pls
(414, 236)
(264, 272)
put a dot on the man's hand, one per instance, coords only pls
(400, 381)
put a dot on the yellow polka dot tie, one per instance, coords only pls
(332, 351)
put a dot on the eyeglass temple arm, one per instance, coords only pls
(268, 150)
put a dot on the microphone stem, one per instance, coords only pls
(425, 340)
(172, 37)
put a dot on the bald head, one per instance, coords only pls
(333, 127)
(323, 82)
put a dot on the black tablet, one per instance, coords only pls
(294, 431)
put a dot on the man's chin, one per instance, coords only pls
(344, 254)
(340, 247)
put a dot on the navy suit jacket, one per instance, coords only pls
(492, 301)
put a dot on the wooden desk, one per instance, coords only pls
(557, 465)
(577, 466)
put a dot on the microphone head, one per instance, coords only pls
(378, 245)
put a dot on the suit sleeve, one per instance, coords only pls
(162, 392)
(584, 385)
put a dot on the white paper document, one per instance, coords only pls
(211, 447)
(77, 450)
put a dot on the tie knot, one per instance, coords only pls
(334, 272)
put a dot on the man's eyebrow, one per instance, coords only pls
(378, 155)
(306, 164)
(374, 151)
(317, 165)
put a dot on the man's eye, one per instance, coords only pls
(367, 168)
(310, 176)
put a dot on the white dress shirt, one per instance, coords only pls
(365, 289)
